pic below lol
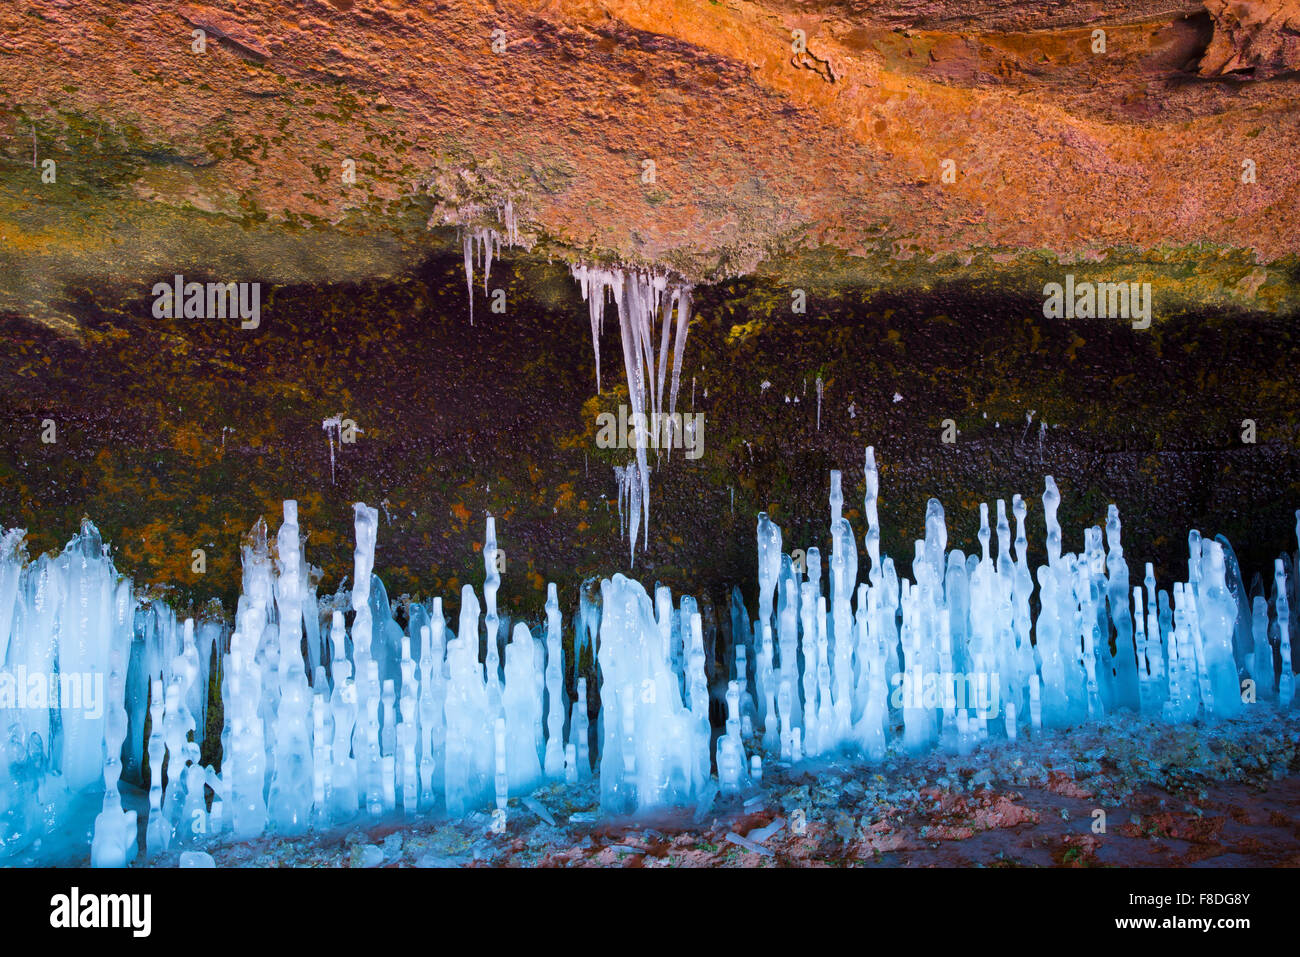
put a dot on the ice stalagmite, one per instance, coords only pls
(157, 832)
(952, 657)
(1022, 592)
(580, 733)
(13, 558)
(697, 699)
(245, 762)
(115, 840)
(554, 764)
(1286, 676)
(470, 752)
(495, 627)
(1062, 701)
(646, 753)
(388, 755)
(343, 705)
(433, 694)
(290, 797)
(365, 736)
(65, 619)
(1261, 664)
(178, 725)
(87, 631)
(522, 708)
(769, 565)
(844, 573)
(1218, 618)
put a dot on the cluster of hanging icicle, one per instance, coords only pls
(643, 301)
(654, 314)
(484, 243)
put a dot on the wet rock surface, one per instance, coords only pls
(1257, 38)
(231, 159)
(179, 434)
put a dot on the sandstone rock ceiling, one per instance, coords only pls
(759, 150)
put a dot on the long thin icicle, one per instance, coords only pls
(642, 298)
(487, 242)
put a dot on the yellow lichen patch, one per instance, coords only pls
(565, 496)
(163, 549)
(584, 439)
(188, 440)
(740, 333)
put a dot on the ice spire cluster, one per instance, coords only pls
(325, 722)
(654, 749)
(951, 657)
(83, 663)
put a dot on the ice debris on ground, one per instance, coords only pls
(326, 722)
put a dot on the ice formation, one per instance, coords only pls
(484, 242)
(333, 427)
(642, 299)
(325, 721)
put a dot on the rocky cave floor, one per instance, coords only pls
(1221, 795)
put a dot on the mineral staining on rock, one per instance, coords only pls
(656, 153)
(334, 136)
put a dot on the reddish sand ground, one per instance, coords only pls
(1224, 796)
